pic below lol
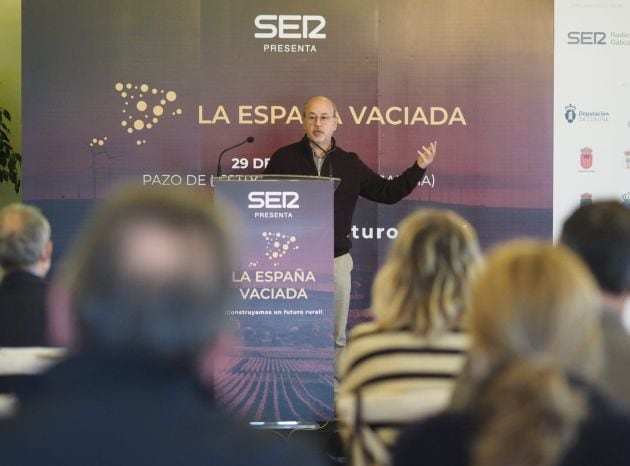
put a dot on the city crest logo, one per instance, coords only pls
(586, 158)
(569, 113)
(586, 199)
(626, 157)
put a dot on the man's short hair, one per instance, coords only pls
(24, 232)
(600, 234)
(132, 295)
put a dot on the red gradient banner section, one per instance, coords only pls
(153, 91)
(494, 61)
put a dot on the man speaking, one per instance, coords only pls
(318, 154)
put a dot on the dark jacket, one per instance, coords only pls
(22, 310)
(96, 410)
(615, 378)
(357, 179)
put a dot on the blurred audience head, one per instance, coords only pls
(24, 240)
(424, 283)
(527, 415)
(149, 275)
(539, 302)
(600, 234)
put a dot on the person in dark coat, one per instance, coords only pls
(140, 304)
(600, 234)
(25, 254)
(317, 154)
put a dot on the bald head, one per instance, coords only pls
(318, 101)
(320, 123)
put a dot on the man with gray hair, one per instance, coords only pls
(141, 303)
(25, 254)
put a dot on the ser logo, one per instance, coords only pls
(273, 200)
(586, 38)
(290, 27)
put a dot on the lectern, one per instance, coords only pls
(279, 372)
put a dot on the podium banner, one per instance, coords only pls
(281, 367)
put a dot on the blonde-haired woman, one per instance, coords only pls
(535, 329)
(402, 365)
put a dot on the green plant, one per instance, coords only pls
(9, 159)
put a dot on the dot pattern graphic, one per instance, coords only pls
(148, 107)
(278, 245)
(98, 142)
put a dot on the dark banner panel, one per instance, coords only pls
(155, 90)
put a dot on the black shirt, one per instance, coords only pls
(357, 179)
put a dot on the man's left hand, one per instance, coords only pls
(426, 155)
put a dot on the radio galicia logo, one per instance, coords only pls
(588, 38)
(569, 113)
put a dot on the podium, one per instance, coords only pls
(280, 371)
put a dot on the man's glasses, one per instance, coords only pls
(324, 119)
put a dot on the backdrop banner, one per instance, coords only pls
(154, 90)
(592, 116)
